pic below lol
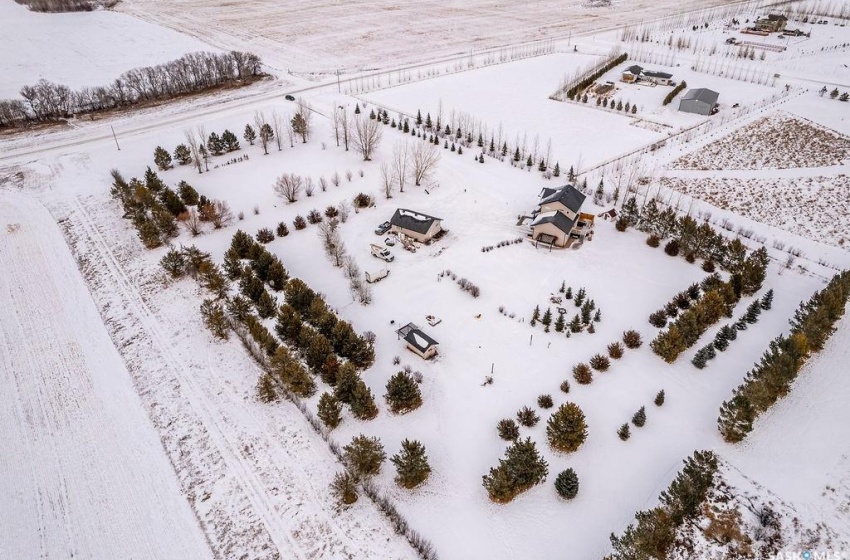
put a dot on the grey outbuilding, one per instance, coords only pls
(700, 101)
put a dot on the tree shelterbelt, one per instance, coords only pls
(191, 73)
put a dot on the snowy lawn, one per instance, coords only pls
(80, 49)
(490, 95)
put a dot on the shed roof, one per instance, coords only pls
(557, 219)
(702, 94)
(415, 337)
(413, 221)
(567, 195)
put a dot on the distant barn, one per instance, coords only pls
(700, 101)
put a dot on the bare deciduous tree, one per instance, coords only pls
(262, 130)
(194, 147)
(323, 183)
(401, 163)
(367, 136)
(288, 186)
(387, 180)
(220, 214)
(423, 161)
(301, 120)
(309, 188)
(277, 127)
(344, 209)
(192, 223)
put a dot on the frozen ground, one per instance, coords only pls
(80, 49)
(84, 474)
(315, 37)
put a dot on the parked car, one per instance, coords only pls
(382, 229)
(289, 97)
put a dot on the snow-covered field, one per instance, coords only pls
(321, 38)
(80, 49)
(83, 474)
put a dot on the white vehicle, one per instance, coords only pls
(376, 276)
(381, 252)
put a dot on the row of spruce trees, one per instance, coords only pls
(771, 378)
(729, 332)
(694, 240)
(654, 531)
(718, 300)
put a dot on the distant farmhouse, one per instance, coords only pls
(634, 74)
(772, 23)
(700, 101)
(417, 341)
(416, 225)
(558, 219)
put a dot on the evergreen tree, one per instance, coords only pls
(639, 417)
(659, 398)
(508, 429)
(597, 317)
(182, 154)
(753, 312)
(347, 380)
(344, 488)
(229, 142)
(460, 150)
(174, 263)
(560, 323)
(528, 162)
(504, 149)
(767, 300)
(266, 305)
(599, 195)
(162, 158)
(566, 429)
(569, 293)
(214, 318)
(579, 298)
(702, 356)
(411, 464)
(364, 456)
(418, 117)
(276, 275)
(669, 344)
(576, 325)
(330, 411)
(585, 313)
(522, 468)
(624, 432)
(547, 318)
(428, 123)
(566, 484)
(527, 417)
(357, 108)
(721, 339)
(535, 316)
(265, 389)
(187, 193)
(362, 402)
(250, 134)
(516, 154)
(239, 308)
(557, 171)
(214, 144)
(403, 393)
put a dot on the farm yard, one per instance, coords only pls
(327, 314)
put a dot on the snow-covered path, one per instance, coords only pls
(82, 471)
(792, 173)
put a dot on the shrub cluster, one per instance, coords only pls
(500, 244)
(674, 92)
(463, 283)
(583, 82)
(521, 469)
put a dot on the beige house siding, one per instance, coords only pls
(557, 207)
(426, 355)
(550, 229)
(421, 237)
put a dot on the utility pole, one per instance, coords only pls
(338, 86)
(114, 137)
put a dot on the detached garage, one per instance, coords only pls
(700, 101)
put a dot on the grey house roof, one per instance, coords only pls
(416, 338)
(654, 74)
(636, 70)
(546, 192)
(413, 221)
(567, 195)
(702, 94)
(557, 219)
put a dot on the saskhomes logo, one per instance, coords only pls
(812, 555)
